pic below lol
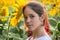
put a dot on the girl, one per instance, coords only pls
(35, 15)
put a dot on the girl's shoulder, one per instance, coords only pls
(44, 38)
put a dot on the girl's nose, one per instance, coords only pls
(28, 20)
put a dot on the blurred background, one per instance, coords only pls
(12, 25)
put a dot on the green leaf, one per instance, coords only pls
(1, 27)
(58, 26)
(52, 22)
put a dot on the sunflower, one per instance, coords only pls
(1, 2)
(58, 12)
(15, 20)
(21, 3)
(4, 13)
(8, 2)
(53, 11)
(18, 15)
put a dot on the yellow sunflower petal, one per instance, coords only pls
(4, 13)
(5, 10)
(53, 12)
(13, 21)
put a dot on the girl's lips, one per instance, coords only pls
(29, 25)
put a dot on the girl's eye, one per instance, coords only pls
(31, 16)
(25, 17)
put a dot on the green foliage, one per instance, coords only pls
(58, 26)
(54, 27)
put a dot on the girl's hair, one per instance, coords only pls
(37, 7)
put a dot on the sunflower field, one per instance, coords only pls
(12, 22)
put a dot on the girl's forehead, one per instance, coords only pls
(28, 10)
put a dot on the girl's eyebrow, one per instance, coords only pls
(31, 14)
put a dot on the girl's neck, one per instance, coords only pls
(40, 31)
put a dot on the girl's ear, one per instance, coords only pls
(43, 17)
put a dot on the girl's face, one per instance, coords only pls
(32, 19)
